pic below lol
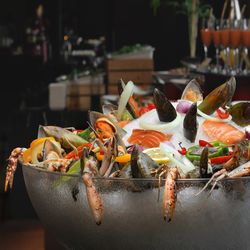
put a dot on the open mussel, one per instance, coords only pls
(190, 125)
(67, 139)
(142, 166)
(165, 110)
(104, 126)
(219, 97)
(192, 92)
(240, 113)
(51, 150)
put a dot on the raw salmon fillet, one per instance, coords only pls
(148, 138)
(222, 131)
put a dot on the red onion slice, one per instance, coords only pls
(183, 106)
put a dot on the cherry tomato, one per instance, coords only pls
(151, 106)
(182, 151)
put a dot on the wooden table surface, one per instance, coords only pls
(26, 235)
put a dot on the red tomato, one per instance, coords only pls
(143, 110)
(151, 106)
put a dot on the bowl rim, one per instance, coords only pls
(186, 180)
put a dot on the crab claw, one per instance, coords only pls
(11, 168)
(169, 197)
(95, 202)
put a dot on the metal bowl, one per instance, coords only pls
(133, 220)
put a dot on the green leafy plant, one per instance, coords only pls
(183, 6)
(193, 9)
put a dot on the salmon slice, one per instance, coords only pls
(148, 138)
(158, 134)
(222, 131)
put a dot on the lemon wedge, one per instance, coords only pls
(157, 155)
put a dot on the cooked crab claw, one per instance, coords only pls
(12, 165)
(165, 110)
(88, 169)
(169, 196)
(219, 97)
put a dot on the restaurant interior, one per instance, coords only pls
(59, 59)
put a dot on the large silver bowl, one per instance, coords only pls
(133, 220)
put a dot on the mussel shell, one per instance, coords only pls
(165, 110)
(146, 165)
(192, 92)
(126, 171)
(141, 164)
(50, 147)
(134, 166)
(109, 108)
(121, 86)
(94, 116)
(204, 163)
(240, 113)
(219, 97)
(190, 125)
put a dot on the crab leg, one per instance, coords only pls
(169, 197)
(12, 165)
(94, 198)
(217, 174)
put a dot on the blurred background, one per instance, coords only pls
(48, 46)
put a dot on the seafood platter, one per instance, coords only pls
(166, 175)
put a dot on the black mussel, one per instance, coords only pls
(240, 113)
(134, 166)
(217, 167)
(142, 165)
(204, 163)
(146, 165)
(190, 125)
(120, 86)
(165, 110)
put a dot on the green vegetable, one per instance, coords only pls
(85, 134)
(126, 116)
(128, 49)
(74, 169)
(219, 148)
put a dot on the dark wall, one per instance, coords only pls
(122, 22)
(23, 77)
